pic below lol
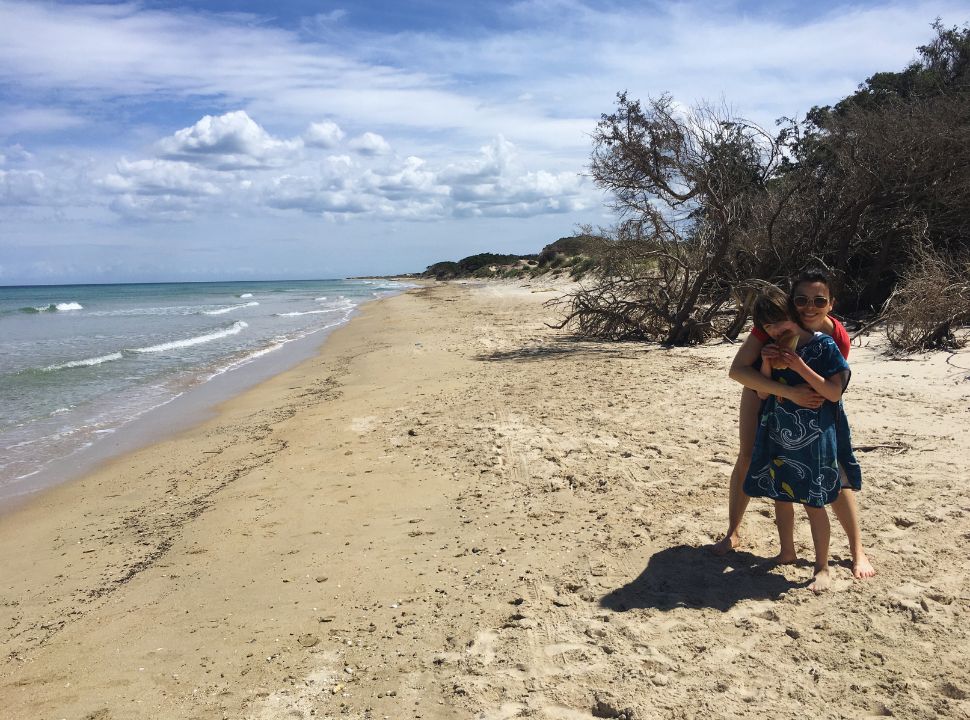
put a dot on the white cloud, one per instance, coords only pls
(317, 195)
(24, 187)
(495, 159)
(323, 135)
(22, 120)
(159, 177)
(411, 178)
(229, 142)
(370, 144)
(493, 184)
(576, 54)
(162, 207)
(14, 154)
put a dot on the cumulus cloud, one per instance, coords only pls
(156, 189)
(323, 135)
(168, 208)
(494, 183)
(158, 177)
(229, 142)
(24, 187)
(14, 154)
(408, 180)
(317, 195)
(370, 144)
(230, 164)
(493, 161)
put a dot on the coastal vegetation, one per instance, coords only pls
(574, 257)
(875, 188)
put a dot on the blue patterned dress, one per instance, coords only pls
(798, 451)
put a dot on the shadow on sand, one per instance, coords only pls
(692, 577)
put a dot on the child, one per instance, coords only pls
(798, 451)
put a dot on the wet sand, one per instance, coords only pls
(455, 511)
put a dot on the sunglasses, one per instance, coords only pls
(818, 301)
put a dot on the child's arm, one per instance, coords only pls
(830, 388)
(743, 371)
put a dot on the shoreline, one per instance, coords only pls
(454, 511)
(182, 412)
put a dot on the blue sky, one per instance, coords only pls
(162, 140)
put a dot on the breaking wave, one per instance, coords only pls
(222, 311)
(87, 362)
(234, 329)
(54, 307)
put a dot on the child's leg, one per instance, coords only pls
(785, 520)
(847, 512)
(818, 518)
(737, 500)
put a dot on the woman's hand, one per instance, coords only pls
(804, 396)
(770, 353)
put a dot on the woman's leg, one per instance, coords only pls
(737, 500)
(818, 518)
(847, 512)
(785, 520)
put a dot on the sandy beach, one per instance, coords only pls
(455, 511)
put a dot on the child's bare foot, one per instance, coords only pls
(861, 567)
(822, 581)
(725, 545)
(786, 558)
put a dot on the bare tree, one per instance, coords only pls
(688, 185)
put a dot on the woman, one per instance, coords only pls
(811, 296)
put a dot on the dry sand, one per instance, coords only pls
(457, 512)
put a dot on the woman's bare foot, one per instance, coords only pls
(786, 558)
(725, 545)
(822, 581)
(861, 567)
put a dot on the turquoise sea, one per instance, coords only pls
(80, 362)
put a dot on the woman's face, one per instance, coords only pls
(809, 297)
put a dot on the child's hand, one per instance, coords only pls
(793, 360)
(770, 353)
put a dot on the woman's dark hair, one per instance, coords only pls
(771, 306)
(810, 275)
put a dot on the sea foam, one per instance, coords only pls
(307, 312)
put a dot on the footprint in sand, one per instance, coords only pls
(363, 425)
(483, 646)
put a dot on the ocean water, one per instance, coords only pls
(80, 362)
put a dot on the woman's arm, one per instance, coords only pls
(829, 388)
(743, 371)
(765, 370)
